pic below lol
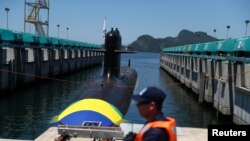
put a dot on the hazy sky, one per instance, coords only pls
(158, 18)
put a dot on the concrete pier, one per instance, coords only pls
(183, 134)
(218, 71)
(25, 58)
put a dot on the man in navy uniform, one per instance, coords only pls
(158, 127)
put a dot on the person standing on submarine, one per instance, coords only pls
(157, 127)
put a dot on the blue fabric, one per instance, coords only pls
(79, 117)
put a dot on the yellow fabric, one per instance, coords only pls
(95, 105)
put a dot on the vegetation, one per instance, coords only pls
(147, 43)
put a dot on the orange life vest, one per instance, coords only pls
(168, 125)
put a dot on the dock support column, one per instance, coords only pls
(241, 111)
(223, 98)
(45, 63)
(209, 82)
(188, 72)
(175, 62)
(83, 58)
(29, 65)
(57, 63)
(3, 73)
(178, 67)
(78, 59)
(196, 72)
(183, 68)
(6, 55)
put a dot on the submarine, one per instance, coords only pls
(106, 100)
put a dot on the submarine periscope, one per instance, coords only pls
(106, 101)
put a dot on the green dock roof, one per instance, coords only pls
(211, 47)
(242, 44)
(226, 45)
(199, 48)
(6, 35)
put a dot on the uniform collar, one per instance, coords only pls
(158, 116)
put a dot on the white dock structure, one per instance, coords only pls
(218, 71)
(26, 58)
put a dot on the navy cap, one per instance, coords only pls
(150, 94)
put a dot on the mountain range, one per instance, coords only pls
(147, 43)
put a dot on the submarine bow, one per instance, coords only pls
(106, 100)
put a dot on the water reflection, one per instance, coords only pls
(181, 103)
(28, 113)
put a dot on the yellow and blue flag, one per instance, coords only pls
(90, 110)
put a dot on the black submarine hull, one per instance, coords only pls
(105, 101)
(116, 91)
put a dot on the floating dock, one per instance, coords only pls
(219, 72)
(26, 58)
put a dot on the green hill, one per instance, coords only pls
(147, 43)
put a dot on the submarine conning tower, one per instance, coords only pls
(112, 57)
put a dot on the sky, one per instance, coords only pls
(133, 18)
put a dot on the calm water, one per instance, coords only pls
(26, 114)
